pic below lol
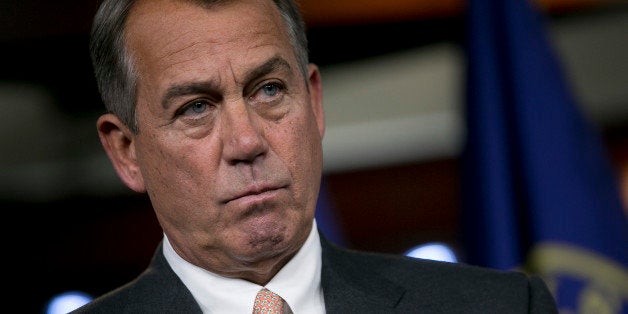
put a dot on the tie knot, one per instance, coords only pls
(268, 302)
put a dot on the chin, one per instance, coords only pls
(268, 242)
(267, 236)
(271, 233)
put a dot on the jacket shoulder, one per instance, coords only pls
(157, 290)
(441, 286)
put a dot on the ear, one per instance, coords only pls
(316, 97)
(119, 143)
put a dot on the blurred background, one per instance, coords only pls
(393, 76)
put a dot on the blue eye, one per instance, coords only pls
(268, 94)
(195, 107)
(270, 89)
(198, 107)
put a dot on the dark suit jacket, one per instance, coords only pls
(358, 282)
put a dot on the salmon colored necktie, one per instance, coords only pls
(267, 302)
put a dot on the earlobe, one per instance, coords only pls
(316, 97)
(119, 144)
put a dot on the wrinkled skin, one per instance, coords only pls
(230, 132)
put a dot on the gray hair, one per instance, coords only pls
(113, 64)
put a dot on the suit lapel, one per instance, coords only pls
(163, 290)
(349, 284)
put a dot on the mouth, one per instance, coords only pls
(255, 194)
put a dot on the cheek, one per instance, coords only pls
(300, 148)
(174, 167)
(178, 181)
(310, 142)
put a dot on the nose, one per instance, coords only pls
(243, 137)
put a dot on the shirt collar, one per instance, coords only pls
(298, 282)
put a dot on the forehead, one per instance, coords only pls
(157, 30)
(159, 11)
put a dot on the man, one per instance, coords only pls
(216, 114)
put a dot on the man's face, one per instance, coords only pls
(229, 143)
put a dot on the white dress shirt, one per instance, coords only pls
(298, 282)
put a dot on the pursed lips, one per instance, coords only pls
(255, 192)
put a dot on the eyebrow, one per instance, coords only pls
(189, 88)
(273, 64)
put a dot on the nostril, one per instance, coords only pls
(243, 135)
(246, 149)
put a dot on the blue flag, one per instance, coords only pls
(327, 219)
(539, 191)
